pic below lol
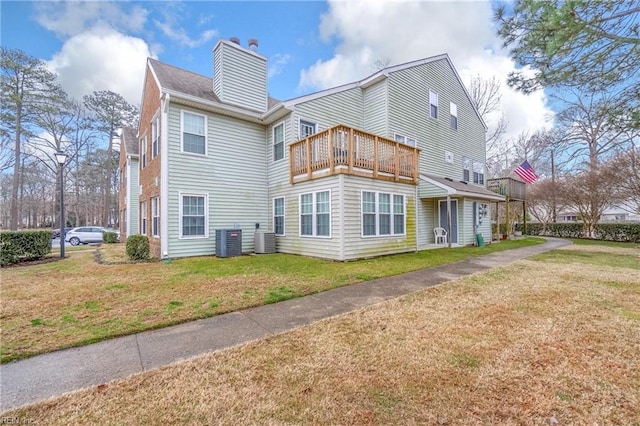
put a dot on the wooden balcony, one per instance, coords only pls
(509, 187)
(342, 149)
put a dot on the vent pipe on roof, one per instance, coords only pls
(235, 40)
(253, 44)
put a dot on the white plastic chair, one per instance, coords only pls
(441, 235)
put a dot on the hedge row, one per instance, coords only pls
(24, 245)
(623, 232)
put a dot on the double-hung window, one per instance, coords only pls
(155, 217)
(433, 104)
(315, 214)
(143, 218)
(143, 152)
(278, 215)
(193, 133)
(382, 214)
(155, 141)
(453, 108)
(466, 169)
(478, 173)
(278, 142)
(193, 216)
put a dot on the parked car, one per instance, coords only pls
(56, 232)
(85, 235)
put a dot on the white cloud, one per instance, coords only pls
(102, 59)
(368, 31)
(173, 14)
(277, 63)
(69, 18)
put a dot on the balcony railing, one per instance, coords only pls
(509, 187)
(342, 149)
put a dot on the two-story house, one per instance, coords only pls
(364, 169)
(129, 189)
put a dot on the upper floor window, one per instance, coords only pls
(478, 172)
(405, 139)
(466, 167)
(155, 143)
(278, 142)
(315, 214)
(307, 129)
(193, 133)
(143, 152)
(433, 103)
(454, 115)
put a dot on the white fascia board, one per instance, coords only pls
(448, 189)
(216, 107)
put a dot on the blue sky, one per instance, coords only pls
(310, 45)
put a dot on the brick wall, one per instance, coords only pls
(150, 174)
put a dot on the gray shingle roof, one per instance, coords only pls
(463, 187)
(189, 83)
(130, 140)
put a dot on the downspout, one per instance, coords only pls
(127, 207)
(164, 177)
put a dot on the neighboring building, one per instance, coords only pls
(364, 169)
(129, 188)
(611, 214)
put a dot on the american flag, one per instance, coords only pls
(526, 172)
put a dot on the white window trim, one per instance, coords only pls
(284, 216)
(181, 195)
(435, 96)
(206, 150)
(310, 122)
(377, 205)
(453, 111)
(143, 218)
(143, 152)
(158, 216)
(155, 123)
(478, 167)
(284, 141)
(314, 216)
(407, 140)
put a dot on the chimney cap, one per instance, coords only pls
(235, 40)
(253, 43)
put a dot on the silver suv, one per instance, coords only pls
(85, 235)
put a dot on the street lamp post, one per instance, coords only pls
(61, 158)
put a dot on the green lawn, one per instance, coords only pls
(77, 301)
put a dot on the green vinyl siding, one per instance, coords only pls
(232, 176)
(338, 108)
(133, 193)
(375, 109)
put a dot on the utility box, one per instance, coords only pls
(479, 240)
(228, 242)
(265, 242)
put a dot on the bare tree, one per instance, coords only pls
(542, 202)
(627, 164)
(111, 112)
(27, 86)
(486, 95)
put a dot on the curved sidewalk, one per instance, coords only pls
(52, 374)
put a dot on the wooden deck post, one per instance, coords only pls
(332, 163)
(376, 163)
(396, 161)
(308, 152)
(350, 151)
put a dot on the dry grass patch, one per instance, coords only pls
(513, 346)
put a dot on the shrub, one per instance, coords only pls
(629, 232)
(24, 245)
(138, 247)
(110, 238)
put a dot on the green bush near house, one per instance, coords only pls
(138, 247)
(24, 245)
(110, 238)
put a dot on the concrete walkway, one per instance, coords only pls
(52, 374)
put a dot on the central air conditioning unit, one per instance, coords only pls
(228, 242)
(265, 242)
